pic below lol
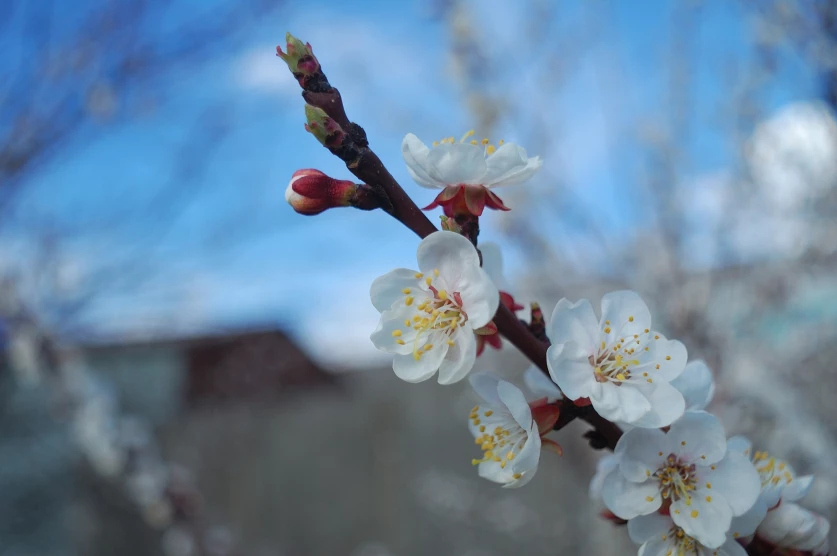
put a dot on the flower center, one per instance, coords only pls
(501, 439)
(771, 471)
(618, 362)
(677, 479)
(440, 312)
(685, 545)
(489, 148)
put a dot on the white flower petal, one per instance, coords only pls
(617, 402)
(798, 488)
(569, 368)
(574, 322)
(541, 385)
(792, 526)
(480, 297)
(643, 528)
(729, 548)
(740, 444)
(698, 437)
(606, 464)
(392, 320)
(627, 499)
(410, 369)
(415, 156)
(671, 356)
(457, 163)
(485, 385)
(627, 314)
(658, 546)
(707, 522)
(735, 478)
(509, 165)
(460, 358)
(515, 401)
(696, 384)
(746, 524)
(667, 406)
(388, 289)
(644, 452)
(447, 252)
(492, 264)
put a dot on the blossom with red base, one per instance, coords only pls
(466, 171)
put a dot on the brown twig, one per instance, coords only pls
(365, 165)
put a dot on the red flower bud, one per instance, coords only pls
(311, 192)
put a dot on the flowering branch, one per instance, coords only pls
(674, 479)
(353, 149)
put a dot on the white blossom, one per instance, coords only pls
(689, 470)
(658, 535)
(465, 170)
(507, 432)
(618, 362)
(428, 317)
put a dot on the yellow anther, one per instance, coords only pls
(419, 275)
(502, 463)
(484, 141)
(630, 319)
(598, 370)
(708, 485)
(450, 342)
(620, 376)
(416, 355)
(649, 499)
(428, 347)
(488, 413)
(443, 295)
(409, 300)
(708, 498)
(607, 330)
(400, 342)
(435, 143)
(517, 475)
(476, 461)
(396, 333)
(668, 357)
(428, 280)
(490, 149)
(407, 322)
(649, 380)
(682, 442)
(436, 272)
(406, 291)
(501, 142)
(694, 513)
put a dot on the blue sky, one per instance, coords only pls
(389, 59)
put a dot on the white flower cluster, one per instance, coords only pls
(674, 478)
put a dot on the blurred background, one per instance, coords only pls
(186, 368)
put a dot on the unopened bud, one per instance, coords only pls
(311, 192)
(321, 126)
(450, 224)
(299, 57)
